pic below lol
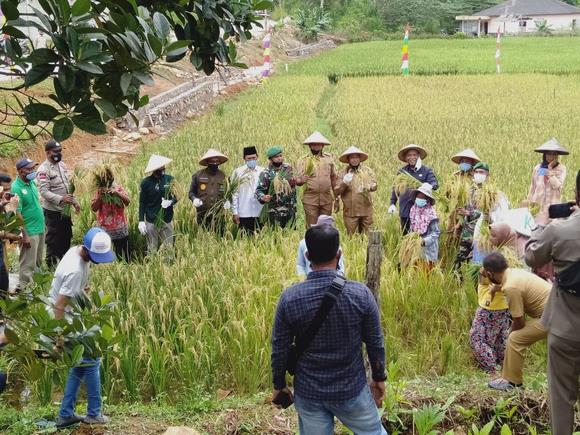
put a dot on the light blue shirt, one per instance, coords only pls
(303, 264)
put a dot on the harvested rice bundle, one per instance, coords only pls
(410, 250)
(487, 197)
(281, 185)
(103, 179)
(404, 182)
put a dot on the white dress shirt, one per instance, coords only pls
(244, 202)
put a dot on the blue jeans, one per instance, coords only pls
(360, 415)
(89, 372)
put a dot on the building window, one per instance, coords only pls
(523, 23)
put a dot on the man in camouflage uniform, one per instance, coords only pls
(208, 187)
(54, 187)
(281, 205)
(318, 174)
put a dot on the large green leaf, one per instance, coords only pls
(42, 55)
(90, 123)
(177, 48)
(14, 32)
(125, 82)
(80, 7)
(37, 74)
(66, 78)
(89, 67)
(11, 336)
(162, 25)
(10, 10)
(62, 129)
(77, 354)
(107, 107)
(35, 112)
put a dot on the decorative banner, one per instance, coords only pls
(498, 51)
(405, 52)
(266, 46)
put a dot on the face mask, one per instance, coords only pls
(277, 164)
(31, 176)
(213, 167)
(159, 173)
(464, 167)
(57, 157)
(420, 202)
(251, 164)
(479, 178)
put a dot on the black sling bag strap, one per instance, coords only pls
(568, 280)
(301, 343)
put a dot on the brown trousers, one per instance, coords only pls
(518, 342)
(357, 224)
(563, 372)
(311, 212)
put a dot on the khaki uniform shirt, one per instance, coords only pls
(558, 242)
(207, 186)
(525, 292)
(356, 197)
(53, 184)
(318, 189)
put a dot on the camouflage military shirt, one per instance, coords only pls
(282, 203)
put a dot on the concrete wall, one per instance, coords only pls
(556, 22)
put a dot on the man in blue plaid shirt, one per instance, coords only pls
(330, 378)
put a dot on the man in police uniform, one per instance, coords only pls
(208, 187)
(54, 188)
(317, 171)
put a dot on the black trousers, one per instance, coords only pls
(3, 282)
(249, 224)
(121, 247)
(405, 225)
(283, 221)
(58, 236)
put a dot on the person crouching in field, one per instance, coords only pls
(424, 221)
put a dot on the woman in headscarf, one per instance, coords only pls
(547, 179)
(424, 221)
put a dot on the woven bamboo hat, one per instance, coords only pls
(156, 162)
(403, 152)
(353, 150)
(211, 153)
(316, 137)
(465, 154)
(553, 146)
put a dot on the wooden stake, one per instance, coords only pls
(374, 261)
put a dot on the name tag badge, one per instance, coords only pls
(25, 191)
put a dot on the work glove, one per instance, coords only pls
(227, 205)
(347, 179)
(142, 228)
(392, 209)
(197, 202)
(166, 203)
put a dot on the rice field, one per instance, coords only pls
(204, 320)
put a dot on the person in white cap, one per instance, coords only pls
(548, 179)
(317, 171)
(466, 160)
(303, 267)
(156, 201)
(208, 187)
(413, 155)
(55, 193)
(69, 287)
(355, 183)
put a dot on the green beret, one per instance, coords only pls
(481, 165)
(274, 151)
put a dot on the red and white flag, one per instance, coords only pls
(498, 51)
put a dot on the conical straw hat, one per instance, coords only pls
(353, 150)
(210, 154)
(316, 137)
(553, 146)
(156, 162)
(404, 150)
(465, 154)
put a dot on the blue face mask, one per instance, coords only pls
(251, 164)
(420, 202)
(464, 167)
(31, 176)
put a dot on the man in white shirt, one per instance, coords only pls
(245, 207)
(69, 288)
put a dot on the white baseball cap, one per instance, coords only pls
(99, 245)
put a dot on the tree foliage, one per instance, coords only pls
(100, 53)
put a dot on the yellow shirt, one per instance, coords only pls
(498, 302)
(526, 293)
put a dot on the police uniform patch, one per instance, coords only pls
(202, 186)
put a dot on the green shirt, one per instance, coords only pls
(29, 206)
(153, 190)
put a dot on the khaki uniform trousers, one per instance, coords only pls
(30, 259)
(311, 212)
(518, 342)
(357, 224)
(563, 372)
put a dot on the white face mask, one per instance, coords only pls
(479, 178)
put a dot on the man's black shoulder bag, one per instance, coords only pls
(569, 279)
(300, 344)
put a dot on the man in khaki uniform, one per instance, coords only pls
(526, 296)
(355, 183)
(54, 187)
(318, 172)
(208, 187)
(560, 242)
